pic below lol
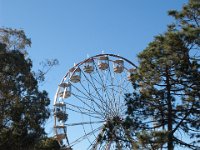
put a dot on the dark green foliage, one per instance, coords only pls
(47, 144)
(167, 98)
(23, 108)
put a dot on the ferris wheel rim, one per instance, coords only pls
(82, 62)
(107, 54)
(98, 55)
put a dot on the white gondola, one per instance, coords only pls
(118, 66)
(60, 111)
(75, 75)
(65, 90)
(93, 93)
(89, 66)
(103, 62)
(59, 133)
(131, 72)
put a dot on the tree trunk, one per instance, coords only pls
(169, 116)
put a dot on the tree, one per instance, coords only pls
(47, 144)
(167, 84)
(23, 107)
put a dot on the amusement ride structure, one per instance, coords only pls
(90, 102)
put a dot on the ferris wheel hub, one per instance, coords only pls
(90, 98)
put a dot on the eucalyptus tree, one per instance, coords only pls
(23, 107)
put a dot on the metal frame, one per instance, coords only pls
(97, 98)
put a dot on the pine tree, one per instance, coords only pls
(167, 84)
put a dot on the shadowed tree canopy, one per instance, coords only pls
(47, 144)
(23, 107)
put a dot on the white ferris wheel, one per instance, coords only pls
(90, 100)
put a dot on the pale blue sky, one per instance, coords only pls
(70, 29)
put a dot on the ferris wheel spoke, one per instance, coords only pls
(117, 92)
(123, 109)
(110, 103)
(85, 135)
(96, 80)
(94, 103)
(89, 98)
(92, 127)
(106, 94)
(106, 101)
(91, 145)
(103, 101)
(95, 88)
(92, 100)
(112, 85)
(96, 142)
(90, 107)
(84, 110)
(66, 136)
(91, 95)
(84, 123)
(103, 85)
(120, 91)
(96, 69)
(85, 97)
(79, 111)
(126, 85)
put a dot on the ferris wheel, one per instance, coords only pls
(89, 105)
